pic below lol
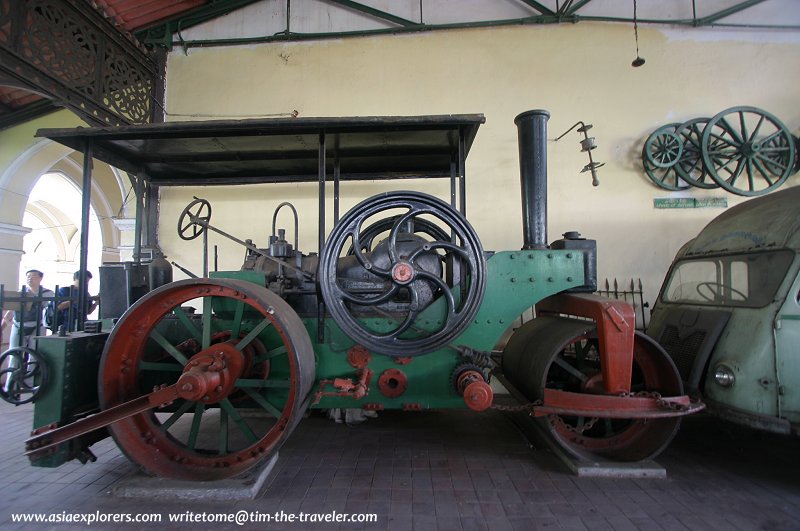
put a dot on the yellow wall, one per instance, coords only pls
(577, 72)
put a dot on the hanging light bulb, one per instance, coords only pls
(639, 61)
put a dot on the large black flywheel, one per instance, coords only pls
(415, 291)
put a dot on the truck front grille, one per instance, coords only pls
(682, 350)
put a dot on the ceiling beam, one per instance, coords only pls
(373, 12)
(573, 10)
(162, 33)
(727, 12)
(544, 10)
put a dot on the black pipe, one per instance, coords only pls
(532, 133)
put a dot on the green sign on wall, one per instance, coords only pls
(690, 202)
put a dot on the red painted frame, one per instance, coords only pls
(616, 324)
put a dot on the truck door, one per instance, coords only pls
(787, 343)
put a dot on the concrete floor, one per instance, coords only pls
(445, 470)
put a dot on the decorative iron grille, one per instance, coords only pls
(66, 51)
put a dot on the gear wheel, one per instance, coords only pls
(461, 368)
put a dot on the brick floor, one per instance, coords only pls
(447, 470)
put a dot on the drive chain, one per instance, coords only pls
(522, 407)
(555, 419)
(558, 420)
(660, 401)
(578, 430)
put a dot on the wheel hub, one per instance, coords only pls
(403, 273)
(211, 374)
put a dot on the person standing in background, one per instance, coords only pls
(27, 322)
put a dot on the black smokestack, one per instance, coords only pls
(532, 130)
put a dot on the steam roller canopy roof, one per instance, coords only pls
(226, 152)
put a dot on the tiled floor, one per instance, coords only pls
(448, 470)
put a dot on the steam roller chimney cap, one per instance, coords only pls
(533, 112)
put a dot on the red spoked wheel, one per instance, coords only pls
(246, 368)
(561, 354)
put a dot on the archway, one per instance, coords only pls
(110, 200)
(54, 217)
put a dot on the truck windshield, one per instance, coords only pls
(746, 280)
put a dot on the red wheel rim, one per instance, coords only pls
(158, 440)
(622, 439)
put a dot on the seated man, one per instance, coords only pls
(67, 312)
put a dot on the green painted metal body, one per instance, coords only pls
(787, 347)
(71, 390)
(759, 341)
(515, 282)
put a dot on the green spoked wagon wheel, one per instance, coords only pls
(748, 151)
(244, 364)
(660, 155)
(663, 148)
(690, 167)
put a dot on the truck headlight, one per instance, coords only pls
(724, 376)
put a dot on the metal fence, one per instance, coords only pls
(631, 292)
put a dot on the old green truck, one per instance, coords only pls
(728, 313)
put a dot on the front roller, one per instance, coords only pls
(556, 361)
(242, 373)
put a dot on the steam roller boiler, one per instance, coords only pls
(401, 308)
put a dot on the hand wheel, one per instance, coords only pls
(194, 219)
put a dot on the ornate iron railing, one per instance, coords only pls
(68, 52)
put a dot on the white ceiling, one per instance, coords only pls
(332, 18)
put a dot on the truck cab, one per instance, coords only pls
(728, 313)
